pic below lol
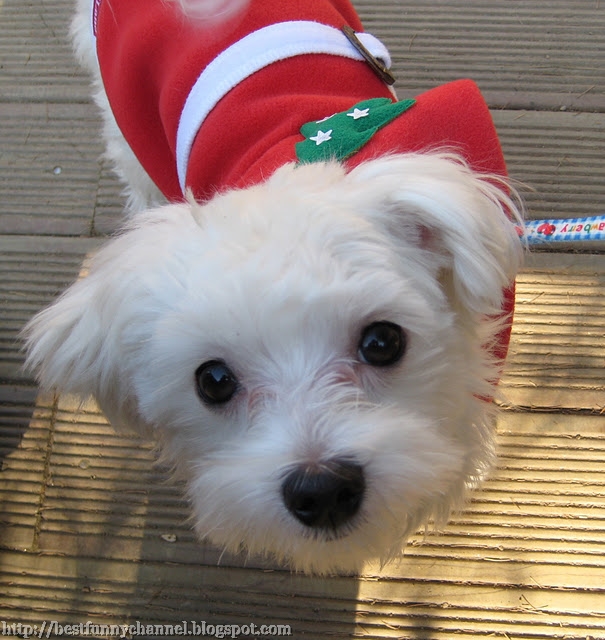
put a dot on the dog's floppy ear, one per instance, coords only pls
(468, 221)
(88, 342)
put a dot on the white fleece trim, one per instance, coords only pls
(252, 53)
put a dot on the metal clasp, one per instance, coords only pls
(376, 64)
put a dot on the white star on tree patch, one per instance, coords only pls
(359, 113)
(321, 137)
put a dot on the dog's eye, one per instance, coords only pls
(382, 344)
(216, 383)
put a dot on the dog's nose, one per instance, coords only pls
(326, 496)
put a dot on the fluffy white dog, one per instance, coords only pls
(314, 344)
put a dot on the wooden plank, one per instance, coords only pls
(524, 55)
(50, 169)
(557, 352)
(24, 445)
(79, 589)
(33, 271)
(557, 159)
(37, 61)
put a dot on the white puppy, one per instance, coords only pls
(314, 352)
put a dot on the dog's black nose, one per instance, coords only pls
(326, 496)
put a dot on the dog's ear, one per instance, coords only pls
(88, 342)
(467, 221)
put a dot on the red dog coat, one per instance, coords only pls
(212, 109)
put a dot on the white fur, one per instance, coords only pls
(278, 281)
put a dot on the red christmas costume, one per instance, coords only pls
(292, 65)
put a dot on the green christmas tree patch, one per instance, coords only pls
(343, 134)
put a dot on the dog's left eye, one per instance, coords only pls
(216, 383)
(382, 344)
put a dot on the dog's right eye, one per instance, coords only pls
(216, 383)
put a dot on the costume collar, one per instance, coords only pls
(256, 51)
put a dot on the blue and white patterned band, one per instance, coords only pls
(539, 232)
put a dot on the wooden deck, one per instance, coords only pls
(90, 531)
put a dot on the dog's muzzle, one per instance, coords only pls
(326, 496)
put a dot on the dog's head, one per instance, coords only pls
(310, 351)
